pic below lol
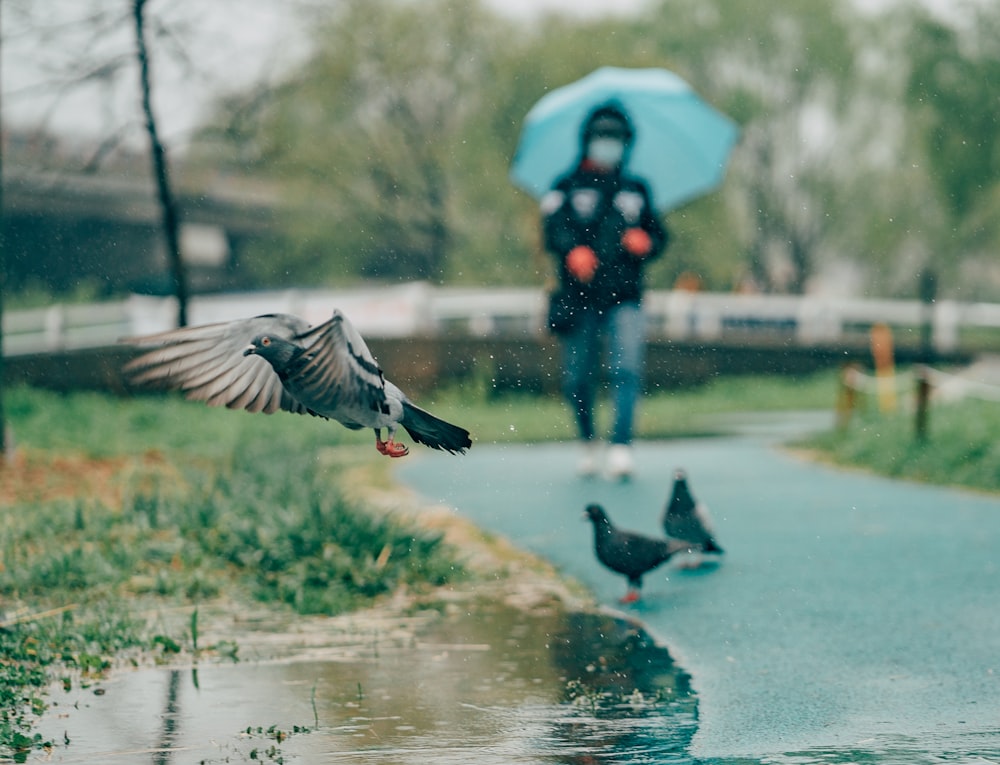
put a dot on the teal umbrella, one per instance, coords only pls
(682, 144)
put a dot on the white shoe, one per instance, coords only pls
(620, 463)
(588, 465)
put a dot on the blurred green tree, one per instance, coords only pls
(953, 92)
(371, 138)
(392, 142)
(787, 72)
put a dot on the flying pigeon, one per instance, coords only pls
(277, 361)
(629, 553)
(686, 520)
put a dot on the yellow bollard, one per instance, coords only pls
(885, 366)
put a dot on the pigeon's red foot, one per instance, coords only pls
(632, 596)
(391, 449)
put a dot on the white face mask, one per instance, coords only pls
(605, 152)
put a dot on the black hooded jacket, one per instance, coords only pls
(594, 208)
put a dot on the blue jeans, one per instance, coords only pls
(623, 327)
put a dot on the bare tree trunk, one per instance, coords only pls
(168, 205)
(437, 194)
(762, 217)
(798, 251)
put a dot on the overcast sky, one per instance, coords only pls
(234, 42)
(232, 49)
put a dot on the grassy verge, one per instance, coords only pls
(116, 505)
(113, 508)
(662, 414)
(961, 447)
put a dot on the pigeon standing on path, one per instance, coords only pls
(686, 520)
(629, 553)
(278, 361)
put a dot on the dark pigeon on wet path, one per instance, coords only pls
(629, 553)
(687, 520)
(279, 362)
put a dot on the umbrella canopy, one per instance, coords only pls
(682, 144)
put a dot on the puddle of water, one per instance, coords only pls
(495, 685)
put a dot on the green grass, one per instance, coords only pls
(525, 418)
(961, 447)
(188, 504)
(36, 652)
(101, 426)
(278, 531)
(204, 503)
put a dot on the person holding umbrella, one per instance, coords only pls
(600, 225)
(582, 149)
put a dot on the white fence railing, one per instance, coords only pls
(421, 309)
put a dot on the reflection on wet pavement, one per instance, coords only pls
(853, 619)
(494, 685)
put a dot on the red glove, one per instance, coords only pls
(637, 242)
(582, 263)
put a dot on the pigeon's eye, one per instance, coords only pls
(265, 341)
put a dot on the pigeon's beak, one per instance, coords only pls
(250, 350)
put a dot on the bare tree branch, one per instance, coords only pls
(168, 204)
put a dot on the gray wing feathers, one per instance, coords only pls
(207, 364)
(340, 369)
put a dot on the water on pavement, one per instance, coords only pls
(493, 686)
(852, 619)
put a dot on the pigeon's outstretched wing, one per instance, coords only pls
(277, 362)
(336, 374)
(207, 363)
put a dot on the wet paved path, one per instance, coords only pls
(852, 616)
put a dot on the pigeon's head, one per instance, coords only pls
(681, 493)
(680, 481)
(276, 350)
(596, 514)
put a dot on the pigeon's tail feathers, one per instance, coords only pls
(711, 546)
(426, 429)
